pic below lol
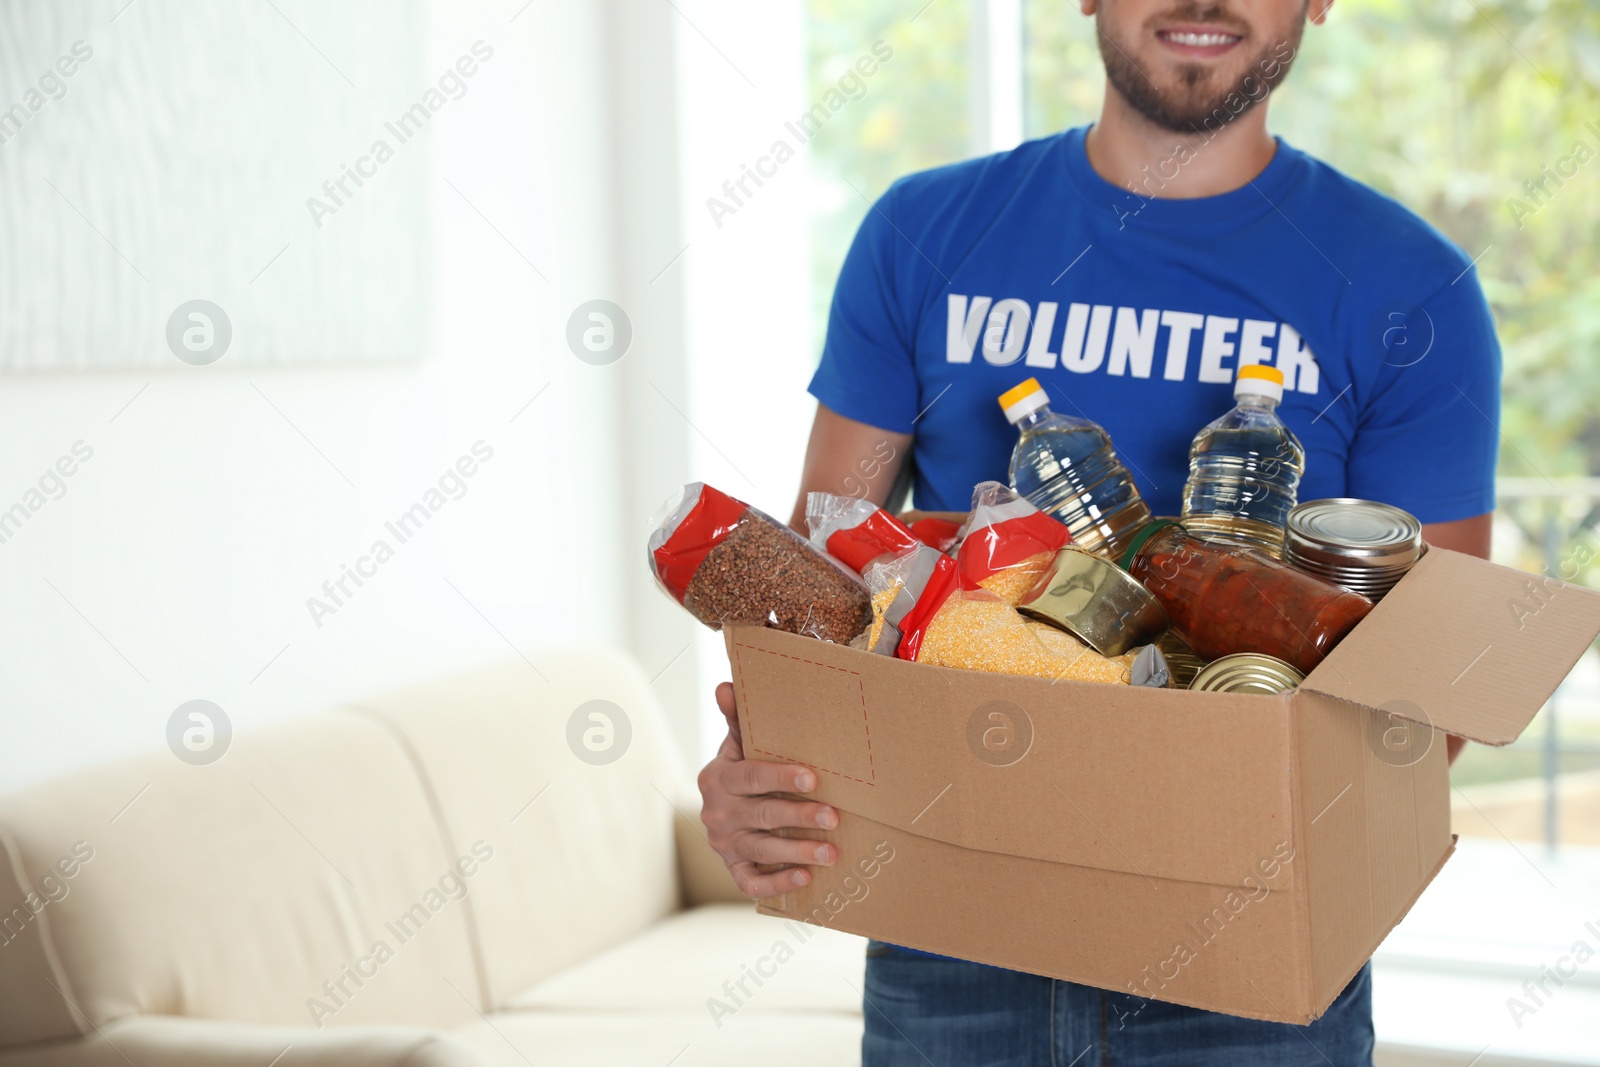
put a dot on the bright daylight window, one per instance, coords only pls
(1484, 117)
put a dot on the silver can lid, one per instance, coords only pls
(1247, 672)
(1344, 533)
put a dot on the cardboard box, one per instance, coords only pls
(1235, 852)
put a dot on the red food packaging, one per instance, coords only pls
(1009, 543)
(725, 561)
(939, 534)
(884, 551)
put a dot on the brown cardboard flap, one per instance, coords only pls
(1151, 782)
(1374, 819)
(1464, 645)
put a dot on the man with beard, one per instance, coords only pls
(1132, 267)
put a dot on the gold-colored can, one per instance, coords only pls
(1247, 672)
(1182, 661)
(1096, 601)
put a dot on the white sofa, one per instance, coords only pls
(431, 878)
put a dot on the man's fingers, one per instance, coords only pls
(754, 884)
(770, 848)
(772, 813)
(753, 777)
(738, 811)
(730, 710)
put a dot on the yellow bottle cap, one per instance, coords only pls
(1016, 393)
(1262, 371)
(1256, 379)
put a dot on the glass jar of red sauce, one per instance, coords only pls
(1224, 598)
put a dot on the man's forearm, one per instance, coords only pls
(849, 458)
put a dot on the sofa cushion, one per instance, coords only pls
(665, 1039)
(235, 890)
(584, 849)
(168, 1041)
(718, 961)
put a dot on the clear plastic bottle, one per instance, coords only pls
(1067, 468)
(1245, 468)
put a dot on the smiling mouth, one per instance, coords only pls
(1199, 39)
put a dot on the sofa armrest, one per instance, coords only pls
(172, 1041)
(703, 877)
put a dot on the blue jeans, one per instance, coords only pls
(929, 1010)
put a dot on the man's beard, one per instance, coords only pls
(1195, 103)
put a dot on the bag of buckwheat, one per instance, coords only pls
(726, 561)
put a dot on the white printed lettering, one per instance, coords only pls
(1008, 330)
(1122, 341)
(1039, 354)
(961, 334)
(1133, 344)
(1072, 336)
(1252, 348)
(1297, 361)
(1181, 326)
(1215, 347)
(1094, 345)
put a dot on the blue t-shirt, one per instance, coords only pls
(1135, 311)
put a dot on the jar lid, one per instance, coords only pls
(1346, 533)
(1145, 533)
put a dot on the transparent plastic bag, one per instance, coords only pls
(977, 631)
(1009, 543)
(907, 578)
(726, 561)
(938, 533)
(907, 592)
(855, 532)
(944, 614)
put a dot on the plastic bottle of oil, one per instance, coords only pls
(1245, 468)
(1067, 468)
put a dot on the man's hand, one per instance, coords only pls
(740, 814)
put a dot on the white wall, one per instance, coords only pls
(178, 563)
(192, 150)
(748, 279)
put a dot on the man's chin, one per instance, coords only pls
(1190, 115)
(1188, 97)
(1194, 119)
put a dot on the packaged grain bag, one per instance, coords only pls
(975, 630)
(726, 561)
(1009, 543)
(863, 536)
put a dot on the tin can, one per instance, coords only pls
(1360, 545)
(1095, 601)
(1246, 672)
(1181, 659)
